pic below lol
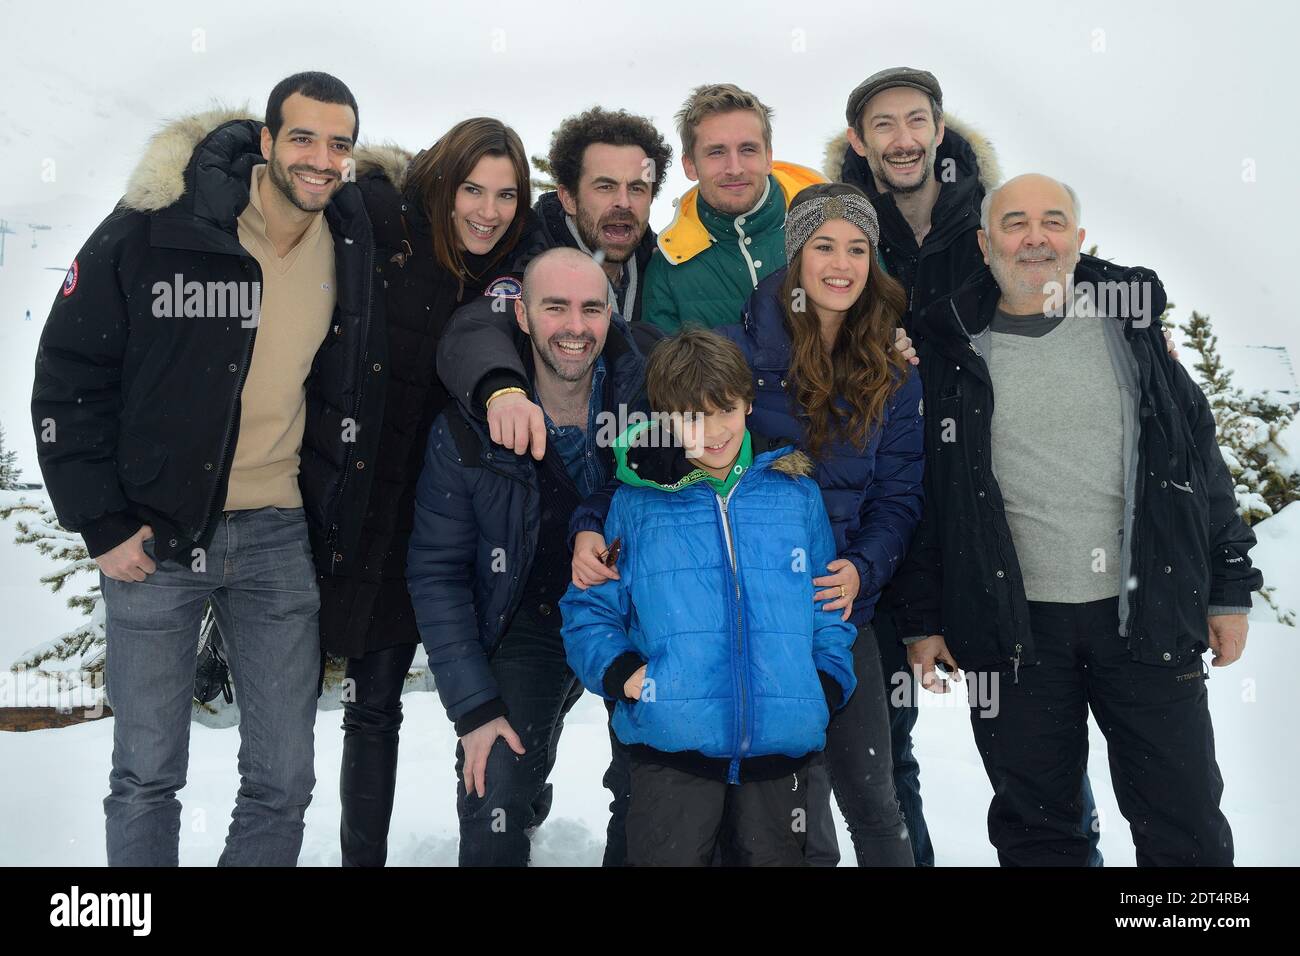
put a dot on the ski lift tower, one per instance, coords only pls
(36, 227)
(4, 230)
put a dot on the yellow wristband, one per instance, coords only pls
(503, 391)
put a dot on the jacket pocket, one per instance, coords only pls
(288, 515)
(649, 695)
(139, 461)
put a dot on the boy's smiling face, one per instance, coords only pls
(712, 438)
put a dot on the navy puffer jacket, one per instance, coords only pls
(477, 518)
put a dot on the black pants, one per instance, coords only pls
(618, 781)
(1157, 726)
(372, 716)
(679, 819)
(902, 690)
(901, 696)
(539, 690)
(858, 767)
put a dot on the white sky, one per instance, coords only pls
(1152, 132)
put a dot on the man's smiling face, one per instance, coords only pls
(898, 137)
(310, 158)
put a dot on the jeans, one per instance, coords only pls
(259, 576)
(1160, 743)
(538, 689)
(368, 774)
(858, 768)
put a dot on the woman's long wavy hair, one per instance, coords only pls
(437, 173)
(842, 395)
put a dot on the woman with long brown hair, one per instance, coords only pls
(445, 223)
(819, 336)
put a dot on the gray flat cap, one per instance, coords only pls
(921, 80)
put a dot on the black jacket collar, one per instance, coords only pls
(555, 230)
(959, 198)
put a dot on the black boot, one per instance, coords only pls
(367, 780)
(368, 776)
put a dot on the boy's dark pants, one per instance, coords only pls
(1160, 742)
(679, 819)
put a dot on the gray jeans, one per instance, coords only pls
(259, 575)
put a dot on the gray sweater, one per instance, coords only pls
(1058, 454)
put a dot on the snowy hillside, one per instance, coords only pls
(29, 281)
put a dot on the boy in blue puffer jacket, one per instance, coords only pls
(724, 670)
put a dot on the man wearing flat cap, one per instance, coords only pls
(926, 174)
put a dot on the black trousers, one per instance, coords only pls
(618, 781)
(679, 819)
(1032, 735)
(539, 690)
(372, 717)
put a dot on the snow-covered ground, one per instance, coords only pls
(56, 779)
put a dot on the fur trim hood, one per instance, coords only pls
(158, 180)
(794, 463)
(985, 154)
(385, 159)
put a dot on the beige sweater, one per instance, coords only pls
(297, 305)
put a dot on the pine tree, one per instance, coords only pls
(1248, 428)
(76, 658)
(82, 647)
(543, 166)
(10, 478)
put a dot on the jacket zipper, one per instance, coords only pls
(1129, 529)
(1134, 595)
(743, 731)
(970, 340)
